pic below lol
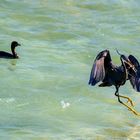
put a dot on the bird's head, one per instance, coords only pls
(130, 67)
(15, 44)
(124, 59)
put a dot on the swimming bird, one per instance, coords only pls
(103, 70)
(12, 55)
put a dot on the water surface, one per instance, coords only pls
(45, 94)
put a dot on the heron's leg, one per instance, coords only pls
(130, 108)
(128, 99)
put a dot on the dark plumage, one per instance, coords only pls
(104, 70)
(12, 55)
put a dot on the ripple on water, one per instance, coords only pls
(45, 93)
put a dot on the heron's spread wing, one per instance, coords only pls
(133, 60)
(134, 75)
(99, 67)
(135, 82)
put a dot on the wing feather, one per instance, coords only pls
(135, 82)
(133, 60)
(134, 75)
(98, 70)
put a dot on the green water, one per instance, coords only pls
(45, 95)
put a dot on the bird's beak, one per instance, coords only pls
(19, 45)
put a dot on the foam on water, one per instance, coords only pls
(64, 104)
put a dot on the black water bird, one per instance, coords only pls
(104, 70)
(12, 55)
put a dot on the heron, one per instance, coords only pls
(103, 70)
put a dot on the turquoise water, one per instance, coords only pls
(45, 94)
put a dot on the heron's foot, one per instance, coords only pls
(131, 109)
(135, 112)
(128, 100)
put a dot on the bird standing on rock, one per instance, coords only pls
(104, 70)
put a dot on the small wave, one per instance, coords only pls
(7, 100)
(134, 134)
(21, 105)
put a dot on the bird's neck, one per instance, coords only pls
(125, 70)
(13, 52)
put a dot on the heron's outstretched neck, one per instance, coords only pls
(125, 73)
